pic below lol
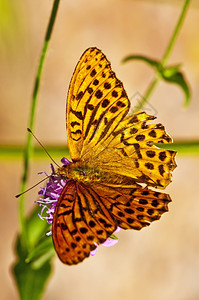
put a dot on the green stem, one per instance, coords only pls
(29, 148)
(148, 93)
(171, 44)
(175, 33)
(13, 153)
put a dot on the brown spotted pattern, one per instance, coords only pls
(97, 102)
(115, 161)
(81, 221)
(88, 215)
(132, 152)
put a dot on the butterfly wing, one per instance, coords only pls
(96, 103)
(133, 208)
(80, 221)
(87, 215)
(100, 134)
(129, 151)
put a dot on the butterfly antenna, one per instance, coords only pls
(32, 187)
(43, 147)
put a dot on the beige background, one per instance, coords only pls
(162, 261)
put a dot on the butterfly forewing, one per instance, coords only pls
(97, 102)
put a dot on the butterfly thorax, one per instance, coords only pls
(79, 171)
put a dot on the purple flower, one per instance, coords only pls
(49, 196)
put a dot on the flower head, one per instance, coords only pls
(49, 196)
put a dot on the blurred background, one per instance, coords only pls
(162, 261)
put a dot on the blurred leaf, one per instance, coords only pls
(114, 237)
(36, 227)
(42, 252)
(170, 74)
(170, 71)
(150, 61)
(33, 266)
(30, 282)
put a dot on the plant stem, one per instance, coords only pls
(29, 148)
(175, 33)
(148, 93)
(171, 44)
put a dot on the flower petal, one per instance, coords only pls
(110, 242)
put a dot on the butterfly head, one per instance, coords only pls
(63, 172)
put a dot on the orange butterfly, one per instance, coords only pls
(114, 160)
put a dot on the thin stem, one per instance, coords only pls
(175, 33)
(11, 153)
(29, 148)
(148, 93)
(171, 44)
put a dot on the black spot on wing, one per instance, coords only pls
(74, 123)
(140, 137)
(99, 94)
(80, 95)
(152, 133)
(149, 166)
(114, 94)
(105, 103)
(107, 85)
(150, 153)
(96, 82)
(77, 132)
(93, 73)
(90, 90)
(78, 114)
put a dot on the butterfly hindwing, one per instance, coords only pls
(80, 222)
(87, 215)
(133, 208)
(130, 149)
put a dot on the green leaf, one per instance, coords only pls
(41, 253)
(30, 281)
(36, 228)
(33, 266)
(170, 74)
(173, 76)
(170, 71)
(150, 61)
(114, 237)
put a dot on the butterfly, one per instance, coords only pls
(114, 162)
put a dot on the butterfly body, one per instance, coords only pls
(114, 163)
(80, 172)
